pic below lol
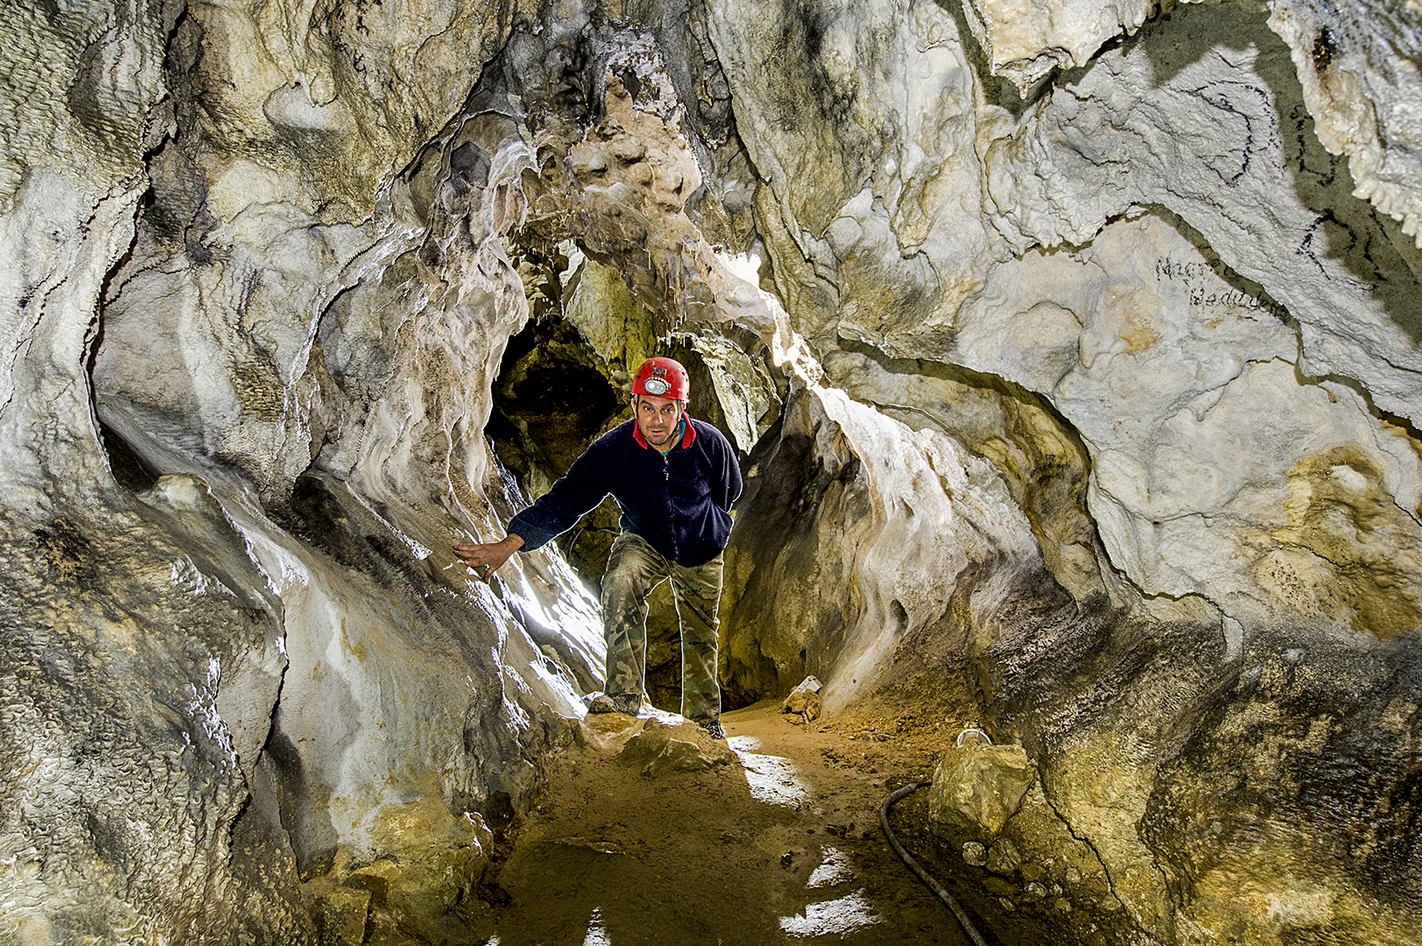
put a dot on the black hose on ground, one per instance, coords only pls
(917, 868)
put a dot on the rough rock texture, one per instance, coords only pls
(976, 789)
(875, 523)
(1072, 349)
(1363, 98)
(1052, 36)
(224, 665)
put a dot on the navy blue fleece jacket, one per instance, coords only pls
(679, 502)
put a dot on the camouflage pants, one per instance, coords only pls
(634, 568)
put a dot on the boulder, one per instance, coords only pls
(976, 789)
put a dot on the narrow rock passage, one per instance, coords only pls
(650, 833)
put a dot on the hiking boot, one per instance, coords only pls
(628, 703)
(713, 728)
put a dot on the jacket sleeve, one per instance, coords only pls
(729, 487)
(575, 494)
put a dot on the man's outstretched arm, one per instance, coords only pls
(489, 555)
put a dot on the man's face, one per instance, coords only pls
(657, 418)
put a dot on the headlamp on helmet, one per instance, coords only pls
(662, 377)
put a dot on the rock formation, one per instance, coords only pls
(1073, 350)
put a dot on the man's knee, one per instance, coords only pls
(633, 569)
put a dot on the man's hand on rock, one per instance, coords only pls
(487, 557)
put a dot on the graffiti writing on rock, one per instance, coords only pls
(1201, 282)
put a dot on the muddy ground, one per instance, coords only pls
(650, 833)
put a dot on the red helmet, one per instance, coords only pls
(662, 377)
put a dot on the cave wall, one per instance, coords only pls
(1186, 340)
(230, 669)
(1072, 352)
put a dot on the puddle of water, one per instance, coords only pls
(834, 869)
(597, 936)
(832, 917)
(772, 779)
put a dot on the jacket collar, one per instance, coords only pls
(688, 433)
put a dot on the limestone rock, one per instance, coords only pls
(1098, 393)
(1025, 44)
(1176, 318)
(1361, 102)
(656, 748)
(804, 700)
(343, 917)
(976, 789)
(82, 92)
(1002, 858)
(420, 891)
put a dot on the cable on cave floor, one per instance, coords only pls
(917, 868)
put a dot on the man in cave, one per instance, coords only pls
(675, 479)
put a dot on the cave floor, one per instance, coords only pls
(780, 844)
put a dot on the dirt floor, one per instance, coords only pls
(651, 833)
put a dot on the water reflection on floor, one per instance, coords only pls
(773, 780)
(771, 852)
(597, 936)
(832, 917)
(834, 869)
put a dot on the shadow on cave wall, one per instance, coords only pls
(1345, 229)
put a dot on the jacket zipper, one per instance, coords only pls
(671, 509)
